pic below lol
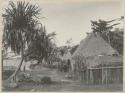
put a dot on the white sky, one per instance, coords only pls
(71, 18)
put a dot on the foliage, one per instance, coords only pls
(117, 40)
(41, 45)
(25, 77)
(19, 23)
(46, 80)
(105, 29)
(20, 20)
(102, 26)
(69, 42)
(21, 31)
(63, 50)
(22, 34)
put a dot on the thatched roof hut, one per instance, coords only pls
(95, 51)
(94, 45)
(96, 61)
(67, 56)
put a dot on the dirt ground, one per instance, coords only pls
(61, 84)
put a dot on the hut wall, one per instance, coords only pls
(105, 76)
(100, 75)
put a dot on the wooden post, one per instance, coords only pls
(87, 73)
(102, 75)
(91, 76)
(106, 75)
(81, 76)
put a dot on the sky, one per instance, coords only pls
(71, 18)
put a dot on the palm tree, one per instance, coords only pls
(42, 45)
(19, 23)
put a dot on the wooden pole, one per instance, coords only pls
(87, 75)
(107, 67)
(102, 75)
(106, 76)
(91, 76)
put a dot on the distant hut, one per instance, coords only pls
(67, 58)
(95, 59)
(11, 61)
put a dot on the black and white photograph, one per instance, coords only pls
(62, 45)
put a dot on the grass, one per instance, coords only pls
(60, 84)
(6, 74)
(66, 86)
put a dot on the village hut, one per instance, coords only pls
(93, 45)
(67, 55)
(10, 61)
(95, 60)
(67, 59)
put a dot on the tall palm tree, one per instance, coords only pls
(19, 22)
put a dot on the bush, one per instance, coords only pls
(46, 80)
(25, 77)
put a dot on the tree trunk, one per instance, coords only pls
(13, 76)
(109, 40)
(24, 68)
(2, 61)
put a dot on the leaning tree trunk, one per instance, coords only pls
(24, 68)
(2, 61)
(13, 76)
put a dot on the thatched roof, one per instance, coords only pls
(96, 61)
(94, 45)
(67, 56)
